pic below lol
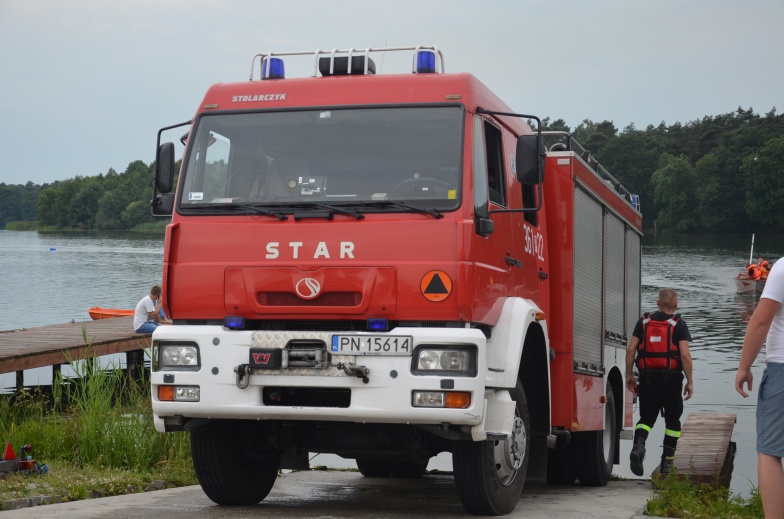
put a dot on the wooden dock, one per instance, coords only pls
(44, 346)
(705, 453)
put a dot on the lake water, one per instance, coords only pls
(53, 278)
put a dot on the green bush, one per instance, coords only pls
(679, 497)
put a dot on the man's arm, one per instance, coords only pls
(756, 333)
(155, 315)
(631, 351)
(688, 389)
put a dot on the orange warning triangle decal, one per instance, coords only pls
(436, 285)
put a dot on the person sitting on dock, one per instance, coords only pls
(660, 347)
(149, 314)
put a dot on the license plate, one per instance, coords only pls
(372, 345)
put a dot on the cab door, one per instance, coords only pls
(497, 257)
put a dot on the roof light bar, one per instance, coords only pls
(431, 64)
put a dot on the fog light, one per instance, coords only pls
(179, 393)
(428, 399)
(187, 393)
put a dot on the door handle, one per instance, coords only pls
(514, 262)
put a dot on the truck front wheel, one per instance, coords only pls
(490, 475)
(231, 462)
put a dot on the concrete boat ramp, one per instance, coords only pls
(344, 494)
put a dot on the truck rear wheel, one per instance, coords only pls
(371, 468)
(490, 475)
(227, 472)
(596, 449)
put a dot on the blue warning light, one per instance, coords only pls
(426, 62)
(234, 322)
(272, 68)
(377, 324)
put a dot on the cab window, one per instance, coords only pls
(496, 177)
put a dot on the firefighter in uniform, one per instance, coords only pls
(660, 347)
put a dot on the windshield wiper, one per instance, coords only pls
(402, 205)
(329, 207)
(247, 207)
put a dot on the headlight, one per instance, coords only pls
(178, 356)
(453, 361)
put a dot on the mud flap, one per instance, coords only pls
(498, 418)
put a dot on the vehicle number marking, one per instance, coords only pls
(372, 345)
(534, 243)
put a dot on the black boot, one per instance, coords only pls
(668, 458)
(637, 455)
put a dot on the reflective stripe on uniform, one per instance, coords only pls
(670, 432)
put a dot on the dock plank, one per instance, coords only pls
(705, 451)
(44, 346)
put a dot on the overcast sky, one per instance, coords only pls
(86, 84)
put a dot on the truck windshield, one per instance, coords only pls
(342, 157)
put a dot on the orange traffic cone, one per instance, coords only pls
(9, 452)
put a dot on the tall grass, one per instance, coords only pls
(98, 417)
(680, 497)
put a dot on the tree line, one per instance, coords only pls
(108, 202)
(718, 174)
(722, 173)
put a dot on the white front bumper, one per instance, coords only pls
(385, 398)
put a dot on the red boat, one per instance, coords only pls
(97, 312)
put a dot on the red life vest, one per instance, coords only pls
(656, 349)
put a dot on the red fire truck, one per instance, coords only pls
(386, 267)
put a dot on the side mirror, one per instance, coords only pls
(484, 227)
(162, 204)
(164, 168)
(530, 163)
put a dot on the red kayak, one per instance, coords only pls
(97, 312)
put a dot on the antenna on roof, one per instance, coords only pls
(381, 68)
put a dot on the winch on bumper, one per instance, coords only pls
(408, 375)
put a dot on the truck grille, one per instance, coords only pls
(306, 396)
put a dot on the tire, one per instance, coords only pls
(225, 471)
(490, 475)
(371, 468)
(596, 449)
